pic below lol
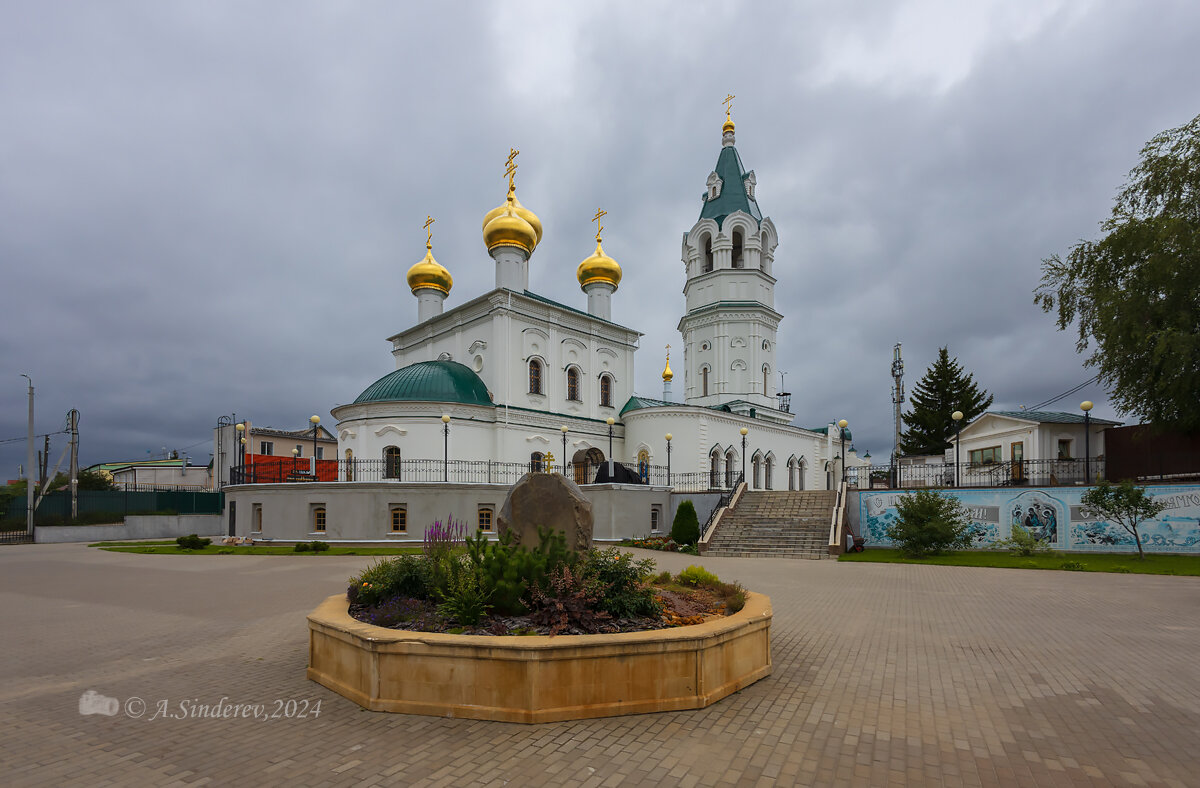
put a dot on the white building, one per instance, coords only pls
(1030, 445)
(522, 377)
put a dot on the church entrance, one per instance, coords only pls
(586, 464)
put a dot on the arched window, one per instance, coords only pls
(766, 380)
(770, 467)
(714, 469)
(535, 376)
(708, 255)
(756, 471)
(573, 384)
(391, 462)
(730, 464)
(349, 465)
(704, 382)
(537, 462)
(606, 391)
(792, 473)
(644, 466)
(737, 249)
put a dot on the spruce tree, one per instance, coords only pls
(944, 389)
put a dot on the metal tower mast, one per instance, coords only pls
(897, 393)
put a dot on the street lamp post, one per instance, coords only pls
(295, 454)
(314, 420)
(241, 433)
(668, 436)
(610, 422)
(29, 482)
(564, 454)
(445, 447)
(744, 431)
(842, 424)
(958, 417)
(1086, 406)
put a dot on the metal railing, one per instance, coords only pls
(285, 470)
(1018, 473)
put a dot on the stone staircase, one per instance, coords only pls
(776, 524)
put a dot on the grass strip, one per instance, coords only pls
(1122, 563)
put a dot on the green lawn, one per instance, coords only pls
(1088, 562)
(170, 548)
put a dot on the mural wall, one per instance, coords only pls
(1054, 514)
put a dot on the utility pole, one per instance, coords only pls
(73, 427)
(44, 461)
(29, 464)
(897, 403)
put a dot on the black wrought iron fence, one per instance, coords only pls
(456, 471)
(1020, 473)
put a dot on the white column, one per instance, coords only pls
(429, 303)
(600, 299)
(512, 268)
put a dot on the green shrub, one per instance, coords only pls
(508, 571)
(929, 523)
(697, 576)
(401, 575)
(1072, 566)
(686, 527)
(302, 547)
(318, 546)
(464, 599)
(625, 592)
(1023, 543)
(572, 599)
(734, 595)
(192, 542)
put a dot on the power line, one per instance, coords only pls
(43, 435)
(1067, 393)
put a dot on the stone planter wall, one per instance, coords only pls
(538, 678)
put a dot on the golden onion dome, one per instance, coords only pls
(522, 211)
(668, 375)
(430, 273)
(509, 228)
(598, 268)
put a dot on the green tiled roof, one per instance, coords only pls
(429, 381)
(1049, 416)
(638, 402)
(733, 189)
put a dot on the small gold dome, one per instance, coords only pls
(430, 273)
(508, 228)
(728, 126)
(668, 375)
(598, 268)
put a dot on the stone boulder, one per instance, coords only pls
(547, 500)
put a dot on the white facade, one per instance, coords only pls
(1030, 437)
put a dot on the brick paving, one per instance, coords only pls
(884, 675)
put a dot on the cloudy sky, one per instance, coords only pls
(208, 208)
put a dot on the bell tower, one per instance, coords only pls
(730, 324)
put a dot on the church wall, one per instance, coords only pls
(695, 433)
(361, 511)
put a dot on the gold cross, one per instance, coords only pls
(729, 97)
(600, 212)
(429, 220)
(510, 164)
(668, 351)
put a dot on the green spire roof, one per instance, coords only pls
(733, 189)
(429, 381)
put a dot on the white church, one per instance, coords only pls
(512, 379)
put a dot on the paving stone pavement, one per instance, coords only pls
(883, 675)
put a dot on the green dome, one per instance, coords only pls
(429, 381)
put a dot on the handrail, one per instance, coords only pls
(837, 522)
(726, 501)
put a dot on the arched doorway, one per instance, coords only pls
(730, 464)
(586, 463)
